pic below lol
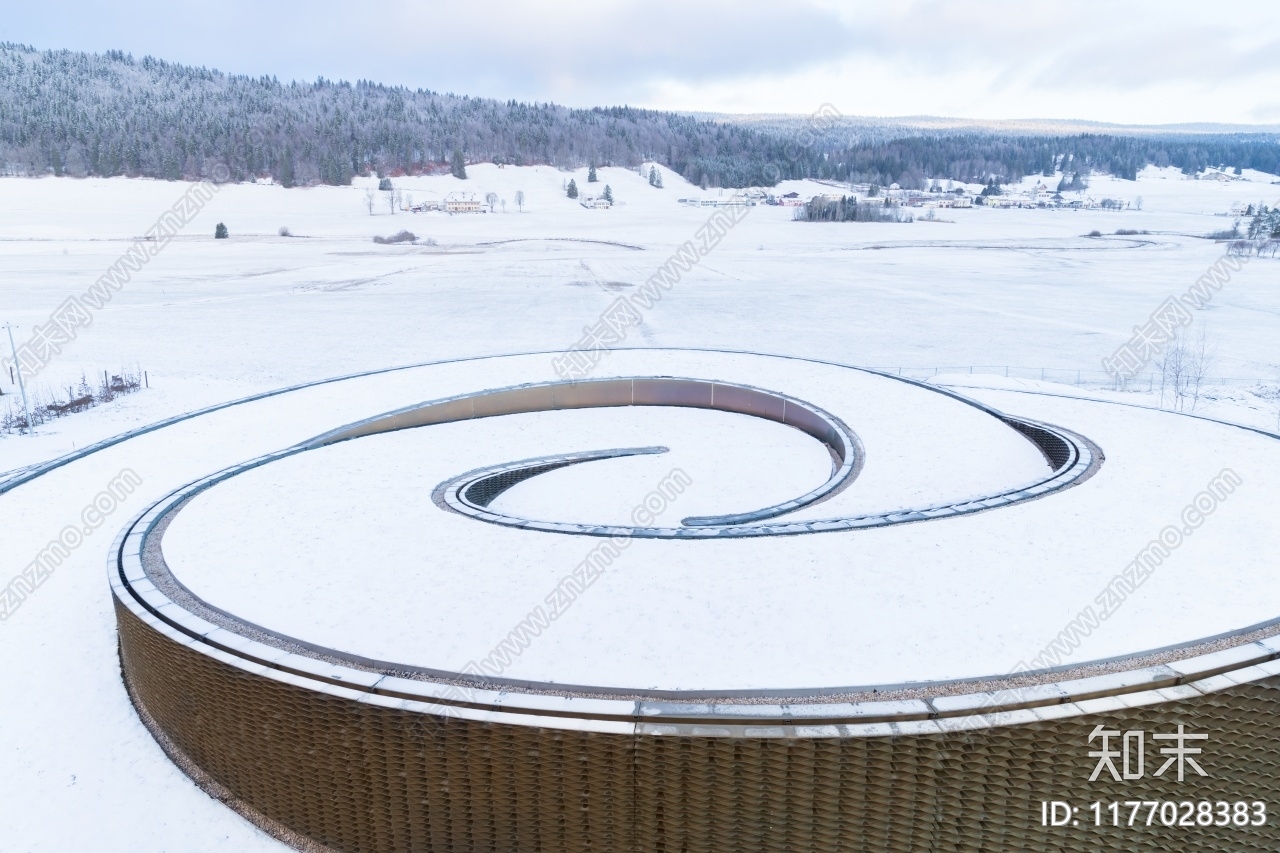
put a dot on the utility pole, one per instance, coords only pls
(21, 387)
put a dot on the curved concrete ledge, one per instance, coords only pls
(1072, 458)
(841, 442)
(477, 489)
(1078, 459)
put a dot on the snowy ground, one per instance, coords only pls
(211, 321)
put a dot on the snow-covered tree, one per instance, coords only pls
(110, 114)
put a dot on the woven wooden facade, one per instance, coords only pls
(356, 776)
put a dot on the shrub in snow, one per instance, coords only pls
(220, 233)
(402, 237)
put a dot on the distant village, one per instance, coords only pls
(1039, 196)
(465, 202)
(937, 196)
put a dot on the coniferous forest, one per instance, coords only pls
(80, 114)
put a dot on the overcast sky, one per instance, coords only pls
(1127, 61)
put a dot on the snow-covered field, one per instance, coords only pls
(210, 320)
(215, 320)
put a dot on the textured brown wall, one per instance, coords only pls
(357, 777)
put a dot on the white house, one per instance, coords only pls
(463, 203)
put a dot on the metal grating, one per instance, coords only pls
(1055, 447)
(483, 492)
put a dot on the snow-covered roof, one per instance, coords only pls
(344, 548)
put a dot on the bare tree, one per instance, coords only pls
(520, 200)
(393, 200)
(1184, 368)
(1173, 368)
(1200, 360)
(504, 205)
(369, 197)
(491, 199)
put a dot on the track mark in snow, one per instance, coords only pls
(1052, 245)
(563, 240)
(350, 284)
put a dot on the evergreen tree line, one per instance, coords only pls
(915, 161)
(110, 114)
(1265, 223)
(847, 209)
(73, 113)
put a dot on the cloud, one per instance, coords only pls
(606, 53)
